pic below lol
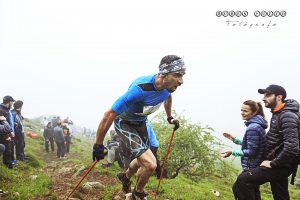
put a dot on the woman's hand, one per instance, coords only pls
(226, 154)
(229, 136)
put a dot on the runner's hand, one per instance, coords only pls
(171, 120)
(99, 152)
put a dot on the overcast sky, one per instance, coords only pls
(75, 58)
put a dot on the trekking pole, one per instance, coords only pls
(88, 171)
(165, 162)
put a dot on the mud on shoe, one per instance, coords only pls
(126, 183)
(139, 195)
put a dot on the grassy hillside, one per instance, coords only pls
(43, 176)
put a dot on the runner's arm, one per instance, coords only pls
(107, 120)
(168, 106)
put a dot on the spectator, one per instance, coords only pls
(67, 136)
(2, 148)
(5, 107)
(19, 130)
(253, 142)
(44, 123)
(281, 148)
(49, 137)
(5, 139)
(113, 147)
(59, 140)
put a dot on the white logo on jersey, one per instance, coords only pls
(147, 110)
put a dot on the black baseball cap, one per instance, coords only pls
(273, 89)
(7, 99)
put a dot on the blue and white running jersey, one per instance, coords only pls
(141, 99)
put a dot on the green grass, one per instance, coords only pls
(182, 188)
(20, 184)
(18, 181)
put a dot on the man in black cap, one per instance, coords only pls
(281, 150)
(129, 114)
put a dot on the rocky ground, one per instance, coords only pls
(65, 175)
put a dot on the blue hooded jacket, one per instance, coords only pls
(254, 142)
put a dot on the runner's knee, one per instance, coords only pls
(150, 165)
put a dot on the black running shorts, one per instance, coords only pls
(134, 135)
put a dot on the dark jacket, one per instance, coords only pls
(68, 138)
(282, 142)
(58, 134)
(5, 130)
(4, 111)
(4, 127)
(254, 142)
(48, 133)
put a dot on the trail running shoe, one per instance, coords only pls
(139, 195)
(126, 183)
(106, 165)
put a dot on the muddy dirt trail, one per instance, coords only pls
(65, 175)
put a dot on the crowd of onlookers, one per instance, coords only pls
(12, 141)
(57, 131)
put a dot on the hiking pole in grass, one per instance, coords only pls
(165, 162)
(88, 171)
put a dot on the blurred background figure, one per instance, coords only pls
(49, 137)
(113, 150)
(59, 140)
(68, 138)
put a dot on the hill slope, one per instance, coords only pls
(43, 176)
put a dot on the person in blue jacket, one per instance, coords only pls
(129, 114)
(19, 130)
(253, 142)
